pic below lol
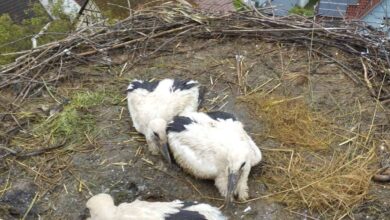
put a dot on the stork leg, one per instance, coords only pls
(242, 185)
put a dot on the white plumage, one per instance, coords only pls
(102, 207)
(215, 146)
(153, 104)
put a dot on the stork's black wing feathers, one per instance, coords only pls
(178, 123)
(221, 115)
(186, 215)
(183, 84)
(188, 84)
(138, 84)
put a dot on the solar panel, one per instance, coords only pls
(334, 8)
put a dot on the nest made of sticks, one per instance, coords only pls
(157, 30)
(323, 183)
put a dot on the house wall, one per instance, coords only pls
(378, 15)
(70, 7)
(90, 15)
(302, 3)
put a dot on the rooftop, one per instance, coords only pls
(17, 10)
(334, 8)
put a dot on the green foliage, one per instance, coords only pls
(311, 4)
(57, 10)
(9, 32)
(113, 11)
(17, 37)
(34, 24)
(302, 11)
(239, 5)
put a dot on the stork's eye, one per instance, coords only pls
(156, 135)
(242, 165)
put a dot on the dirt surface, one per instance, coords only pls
(115, 160)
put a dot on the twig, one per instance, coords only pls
(129, 5)
(369, 84)
(37, 152)
(30, 206)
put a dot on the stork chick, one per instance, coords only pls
(214, 145)
(153, 104)
(102, 207)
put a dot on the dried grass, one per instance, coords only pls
(325, 185)
(290, 121)
(331, 182)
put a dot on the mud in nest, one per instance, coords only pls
(330, 182)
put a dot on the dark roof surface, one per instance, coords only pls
(81, 2)
(16, 8)
(334, 8)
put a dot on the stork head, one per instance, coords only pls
(234, 170)
(158, 137)
(101, 206)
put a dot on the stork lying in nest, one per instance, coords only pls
(153, 104)
(102, 207)
(214, 145)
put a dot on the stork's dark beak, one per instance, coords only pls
(164, 148)
(232, 184)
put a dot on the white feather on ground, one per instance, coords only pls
(212, 145)
(153, 104)
(102, 207)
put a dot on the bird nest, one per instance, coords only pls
(320, 165)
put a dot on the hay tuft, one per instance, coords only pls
(290, 121)
(331, 182)
(325, 185)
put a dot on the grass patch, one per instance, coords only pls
(75, 120)
(71, 124)
(88, 99)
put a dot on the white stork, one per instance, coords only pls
(101, 207)
(153, 104)
(214, 145)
